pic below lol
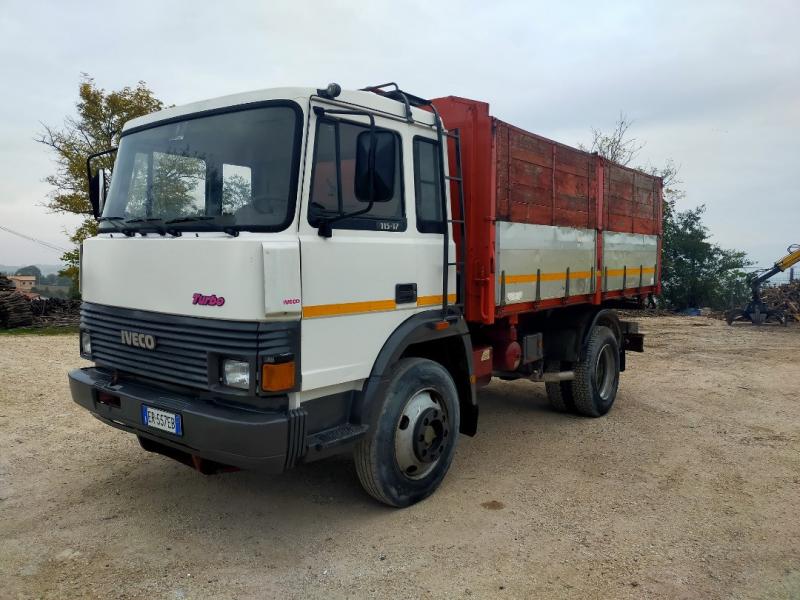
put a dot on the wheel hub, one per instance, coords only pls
(422, 434)
(605, 372)
(429, 435)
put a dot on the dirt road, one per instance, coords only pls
(690, 488)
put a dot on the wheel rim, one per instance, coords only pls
(605, 372)
(422, 434)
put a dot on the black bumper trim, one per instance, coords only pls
(266, 441)
(296, 436)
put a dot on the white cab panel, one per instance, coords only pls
(355, 271)
(163, 274)
(282, 296)
(349, 279)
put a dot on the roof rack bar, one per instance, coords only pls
(397, 94)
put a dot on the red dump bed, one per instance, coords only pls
(511, 175)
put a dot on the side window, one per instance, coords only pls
(427, 186)
(333, 178)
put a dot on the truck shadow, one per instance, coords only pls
(182, 504)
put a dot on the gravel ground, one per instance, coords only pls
(689, 488)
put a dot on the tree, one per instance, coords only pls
(695, 271)
(236, 193)
(615, 146)
(30, 270)
(96, 126)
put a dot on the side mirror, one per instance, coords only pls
(375, 166)
(97, 192)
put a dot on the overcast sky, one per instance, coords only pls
(713, 85)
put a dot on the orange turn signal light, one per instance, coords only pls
(276, 377)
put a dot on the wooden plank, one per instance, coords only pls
(529, 149)
(538, 215)
(571, 218)
(572, 185)
(617, 174)
(503, 167)
(642, 211)
(528, 174)
(567, 202)
(526, 194)
(621, 189)
(644, 196)
(619, 206)
(646, 226)
(619, 223)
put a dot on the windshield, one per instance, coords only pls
(235, 170)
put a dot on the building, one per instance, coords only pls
(23, 283)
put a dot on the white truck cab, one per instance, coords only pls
(258, 256)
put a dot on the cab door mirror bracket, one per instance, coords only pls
(374, 178)
(97, 183)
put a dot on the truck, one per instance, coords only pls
(284, 275)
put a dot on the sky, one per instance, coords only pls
(714, 86)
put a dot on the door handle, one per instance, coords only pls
(405, 293)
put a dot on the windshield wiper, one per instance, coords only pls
(231, 230)
(160, 230)
(189, 219)
(144, 220)
(112, 220)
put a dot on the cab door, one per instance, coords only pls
(361, 283)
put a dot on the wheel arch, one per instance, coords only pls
(416, 337)
(567, 330)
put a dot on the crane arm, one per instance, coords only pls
(787, 261)
(790, 259)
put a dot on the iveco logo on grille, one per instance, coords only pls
(138, 340)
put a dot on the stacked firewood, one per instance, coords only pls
(785, 297)
(15, 310)
(55, 312)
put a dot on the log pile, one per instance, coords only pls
(785, 297)
(15, 310)
(55, 312)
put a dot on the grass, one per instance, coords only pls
(65, 330)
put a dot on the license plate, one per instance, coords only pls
(161, 419)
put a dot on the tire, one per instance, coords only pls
(419, 415)
(559, 393)
(594, 388)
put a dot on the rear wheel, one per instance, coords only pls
(594, 388)
(411, 442)
(559, 393)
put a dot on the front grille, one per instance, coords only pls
(183, 344)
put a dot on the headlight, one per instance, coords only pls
(86, 343)
(236, 373)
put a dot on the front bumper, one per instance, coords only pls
(266, 441)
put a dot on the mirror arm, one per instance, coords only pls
(324, 228)
(91, 157)
(94, 198)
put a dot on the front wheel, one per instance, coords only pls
(411, 441)
(594, 388)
